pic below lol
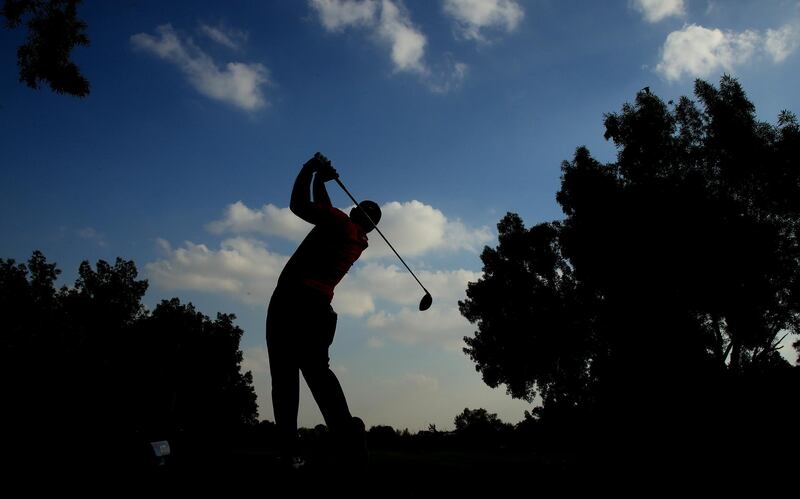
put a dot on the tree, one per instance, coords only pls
(91, 363)
(192, 376)
(675, 270)
(534, 333)
(477, 420)
(480, 427)
(30, 313)
(53, 31)
(28, 303)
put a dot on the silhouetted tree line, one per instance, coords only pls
(475, 430)
(649, 319)
(88, 371)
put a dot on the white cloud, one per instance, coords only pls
(393, 283)
(242, 268)
(414, 228)
(407, 43)
(442, 325)
(781, 42)
(231, 38)
(389, 23)
(474, 16)
(699, 52)
(335, 15)
(372, 283)
(352, 298)
(657, 10)
(268, 221)
(238, 83)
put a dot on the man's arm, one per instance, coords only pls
(301, 192)
(301, 204)
(320, 193)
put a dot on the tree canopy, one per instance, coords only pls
(90, 361)
(675, 266)
(54, 30)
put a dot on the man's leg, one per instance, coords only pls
(285, 375)
(348, 433)
(329, 395)
(327, 391)
(315, 364)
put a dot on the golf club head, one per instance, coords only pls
(426, 302)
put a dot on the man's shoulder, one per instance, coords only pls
(333, 215)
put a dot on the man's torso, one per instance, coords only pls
(325, 255)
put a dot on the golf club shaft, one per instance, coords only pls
(379, 231)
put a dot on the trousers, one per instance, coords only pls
(300, 327)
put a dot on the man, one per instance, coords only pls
(300, 320)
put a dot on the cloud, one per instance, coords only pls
(353, 298)
(407, 43)
(439, 327)
(393, 284)
(474, 16)
(371, 284)
(238, 84)
(389, 24)
(658, 10)
(233, 39)
(781, 42)
(696, 51)
(414, 228)
(390, 299)
(335, 15)
(268, 221)
(242, 268)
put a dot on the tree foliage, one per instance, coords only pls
(478, 421)
(91, 362)
(676, 265)
(194, 367)
(54, 30)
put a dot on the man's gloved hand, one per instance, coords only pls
(323, 167)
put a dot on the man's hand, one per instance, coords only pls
(327, 172)
(323, 167)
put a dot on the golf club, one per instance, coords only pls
(427, 300)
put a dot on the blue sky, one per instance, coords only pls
(449, 113)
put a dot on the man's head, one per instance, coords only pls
(372, 209)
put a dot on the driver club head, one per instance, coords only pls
(426, 302)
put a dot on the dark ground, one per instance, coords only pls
(241, 471)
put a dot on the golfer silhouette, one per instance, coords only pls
(300, 320)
